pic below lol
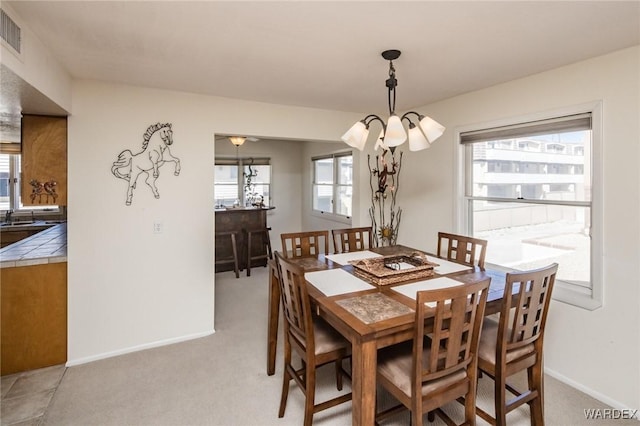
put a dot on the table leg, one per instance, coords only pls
(363, 383)
(272, 321)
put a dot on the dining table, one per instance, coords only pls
(369, 314)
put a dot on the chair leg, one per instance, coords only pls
(248, 254)
(339, 374)
(416, 417)
(500, 399)
(535, 378)
(310, 394)
(470, 403)
(286, 378)
(235, 255)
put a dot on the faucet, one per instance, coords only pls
(7, 216)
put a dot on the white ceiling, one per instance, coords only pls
(325, 54)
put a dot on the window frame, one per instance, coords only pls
(241, 163)
(563, 291)
(13, 150)
(335, 185)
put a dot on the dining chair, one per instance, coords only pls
(440, 364)
(514, 343)
(352, 239)
(315, 342)
(462, 249)
(305, 244)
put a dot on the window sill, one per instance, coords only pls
(565, 292)
(331, 216)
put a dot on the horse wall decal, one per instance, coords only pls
(155, 152)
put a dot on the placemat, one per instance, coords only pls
(374, 307)
(447, 267)
(336, 281)
(344, 258)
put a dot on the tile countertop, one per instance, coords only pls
(48, 246)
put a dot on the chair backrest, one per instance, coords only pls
(352, 239)
(305, 244)
(296, 306)
(462, 249)
(454, 318)
(524, 323)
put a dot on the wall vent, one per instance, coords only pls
(9, 31)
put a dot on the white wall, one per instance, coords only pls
(128, 287)
(597, 351)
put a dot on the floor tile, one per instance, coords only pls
(36, 381)
(25, 408)
(7, 382)
(37, 421)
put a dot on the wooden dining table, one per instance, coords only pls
(372, 318)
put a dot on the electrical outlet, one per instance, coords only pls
(157, 227)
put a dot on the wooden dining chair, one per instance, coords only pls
(315, 342)
(305, 244)
(352, 239)
(514, 343)
(440, 364)
(462, 249)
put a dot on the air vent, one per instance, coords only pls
(9, 31)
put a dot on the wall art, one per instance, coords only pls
(385, 180)
(155, 152)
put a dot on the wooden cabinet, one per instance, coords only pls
(44, 160)
(34, 317)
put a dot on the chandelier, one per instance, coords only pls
(393, 132)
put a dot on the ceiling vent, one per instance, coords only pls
(9, 31)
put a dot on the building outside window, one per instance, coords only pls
(537, 207)
(333, 184)
(242, 182)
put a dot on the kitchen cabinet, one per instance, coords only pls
(34, 317)
(44, 160)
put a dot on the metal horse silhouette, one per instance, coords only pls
(155, 152)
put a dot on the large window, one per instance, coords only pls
(333, 184)
(243, 182)
(528, 190)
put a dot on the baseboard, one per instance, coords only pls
(592, 393)
(79, 361)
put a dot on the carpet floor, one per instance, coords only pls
(221, 380)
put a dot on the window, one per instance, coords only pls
(243, 181)
(543, 212)
(10, 168)
(333, 184)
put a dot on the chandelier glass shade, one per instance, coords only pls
(423, 130)
(237, 140)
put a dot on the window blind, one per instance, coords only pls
(570, 123)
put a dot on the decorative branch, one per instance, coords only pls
(388, 180)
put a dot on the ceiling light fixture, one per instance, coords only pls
(237, 140)
(393, 133)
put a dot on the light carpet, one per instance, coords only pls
(221, 380)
